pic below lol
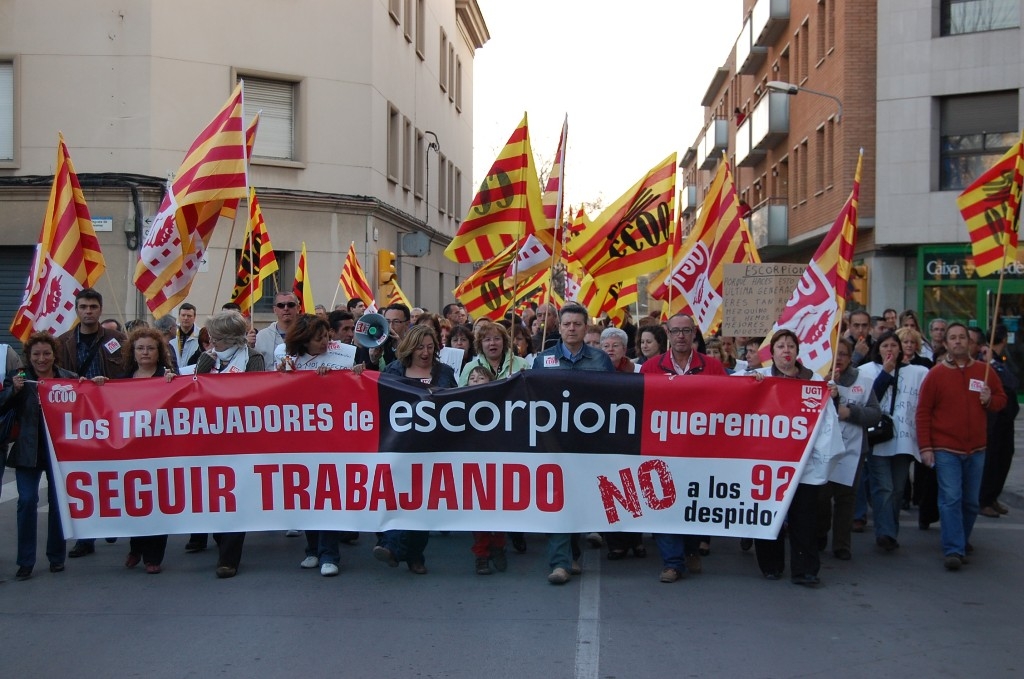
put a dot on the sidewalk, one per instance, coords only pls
(1013, 491)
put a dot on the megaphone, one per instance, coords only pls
(372, 330)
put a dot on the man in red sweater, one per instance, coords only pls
(951, 433)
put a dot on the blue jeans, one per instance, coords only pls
(959, 479)
(28, 505)
(888, 477)
(860, 504)
(405, 545)
(323, 544)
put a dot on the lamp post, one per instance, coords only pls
(791, 89)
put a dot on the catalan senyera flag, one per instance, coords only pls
(257, 261)
(507, 207)
(353, 279)
(487, 293)
(397, 296)
(67, 259)
(720, 237)
(991, 208)
(554, 189)
(212, 175)
(231, 206)
(303, 286)
(816, 306)
(630, 238)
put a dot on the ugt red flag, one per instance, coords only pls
(816, 306)
(68, 257)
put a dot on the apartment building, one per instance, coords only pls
(366, 132)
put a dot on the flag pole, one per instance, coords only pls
(113, 294)
(252, 267)
(999, 292)
(224, 263)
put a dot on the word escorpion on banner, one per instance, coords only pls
(551, 452)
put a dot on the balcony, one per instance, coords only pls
(713, 142)
(689, 200)
(769, 121)
(769, 19)
(749, 57)
(746, 155)
(769, 223)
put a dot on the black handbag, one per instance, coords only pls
(884, 429)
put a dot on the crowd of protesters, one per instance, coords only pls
(950, 400)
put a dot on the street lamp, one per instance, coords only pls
(791, 89)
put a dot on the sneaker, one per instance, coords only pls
(953, 562)
(329, 570)
(595, 540)
(577, 568)
(669, 575)
(310, 562)
(483, 567)
(559, 576)
(382, 553)
(693, 564)
(499, 559)
(292, 533)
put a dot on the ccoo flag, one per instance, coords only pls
(68, 257)
(991, 208)
(212, 175)
(256, 262)
(507, 207)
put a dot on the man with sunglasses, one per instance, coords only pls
(286, 308)
(680, 554)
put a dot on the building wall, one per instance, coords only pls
(132, 83)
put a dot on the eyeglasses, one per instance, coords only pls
(396, 320)
(680, 331)
(286, 305)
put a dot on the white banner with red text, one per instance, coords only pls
(544, 451)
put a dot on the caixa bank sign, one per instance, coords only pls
(962, 268)
(62, 393)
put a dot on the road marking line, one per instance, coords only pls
(588, 627)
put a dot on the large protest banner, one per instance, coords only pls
(543, 451)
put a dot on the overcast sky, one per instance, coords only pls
(630, 76)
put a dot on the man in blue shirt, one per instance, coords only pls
(569, 353)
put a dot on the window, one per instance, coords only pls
(442, 71)
(442, 184)
(974, 131)
(819, 29)
(804, 175)
(975, 16)
(451, 189)
(451, 72)
(394, 142)
(804, 40)
(819, 159)
(394, 9)
(276, 98)
(421, 153)
(408, 21)
(6, 111)
(421, 32)
(830, 153)
(457, 206)
(458, 83)
(784, 65)
(407, 140)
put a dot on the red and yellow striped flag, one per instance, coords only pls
(991, 208)
(230, 208)
(720, 237)
(257, 261)
(631, 237)
(353, 279)
(396, 295)
(507, 207)
(212, 174)
(303, 286)
(68, 257)
(488, 292)
(554, 189)
(815, 308)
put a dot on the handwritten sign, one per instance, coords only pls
(754, 296)
(452, 357)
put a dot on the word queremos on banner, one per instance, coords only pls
(542, 452)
